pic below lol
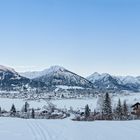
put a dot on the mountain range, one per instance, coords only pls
(57, 76)
(107, 81)
(102, 82)
(11, 80)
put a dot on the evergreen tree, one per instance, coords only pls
(13, 110)
(87, 111)
(62, 96)
(119, 110)
(125, 110)
(33, 113)
(107, 108)
(26, 107)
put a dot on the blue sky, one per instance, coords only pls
(82, 35)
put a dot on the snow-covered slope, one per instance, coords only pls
(138, 77)
(7, 69)
(22, 129)
(127, 79)
(96, 76)
(130, 82)
(36, 74)
(57, 75)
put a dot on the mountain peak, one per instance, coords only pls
(56, 68)
(97, 76)
(96, 73)
(105, 75)
(57, 75)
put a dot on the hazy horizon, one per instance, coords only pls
(84, 36)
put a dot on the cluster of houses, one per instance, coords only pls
(51, 112)
(136, 109)
(46, 112)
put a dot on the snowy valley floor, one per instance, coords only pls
(20, 129)
(6, 103)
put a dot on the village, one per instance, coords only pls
(105, 111)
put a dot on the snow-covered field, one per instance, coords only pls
(81, 103)
(19, 129)
(23, 129)
(6, 103)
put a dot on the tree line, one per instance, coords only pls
(106, 111)
(47, 112)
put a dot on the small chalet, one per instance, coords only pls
(136, 109)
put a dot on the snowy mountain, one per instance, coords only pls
(57, 75)
(130, 82)
(107, 81)
(128, 79)
(7, 69)
(11, 80)
(138, 77)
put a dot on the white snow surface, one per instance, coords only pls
(128, 79)
(76, 104)
(68, 87)
(96, 76)
(66, 129)
(19, 129)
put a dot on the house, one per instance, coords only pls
(136, 109)
(44, 113)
